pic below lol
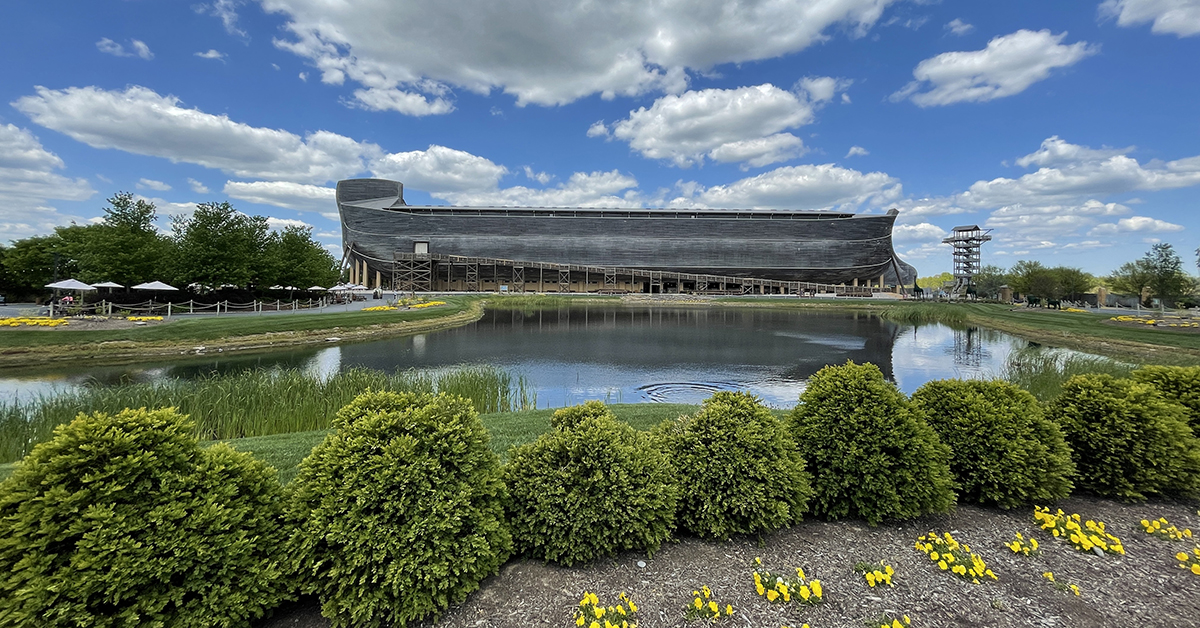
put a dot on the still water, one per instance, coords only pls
(622, 354)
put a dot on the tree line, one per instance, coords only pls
(215, 246)
(1159, 274)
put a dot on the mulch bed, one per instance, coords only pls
(1143, 589)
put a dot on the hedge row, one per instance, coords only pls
(124, 519)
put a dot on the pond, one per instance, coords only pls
(622, 354)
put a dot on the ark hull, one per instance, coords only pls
(818, 247)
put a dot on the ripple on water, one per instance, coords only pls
(686, 392)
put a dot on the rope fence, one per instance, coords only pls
(154, 308)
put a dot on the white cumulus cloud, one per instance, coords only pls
(197, 187)
(212, 54)
(582, 189)
(296, 196)
(552, 52)
(28, 184)
(138, 120)
(439, 169)
(1177, 17)
(151, 184)
(408, 103)
(856, 151)
(813, 187)
(730, 125)
(140, 49)
(1136, 224)
(1008, 66)
(959, 27)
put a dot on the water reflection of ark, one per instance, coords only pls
(635, 354)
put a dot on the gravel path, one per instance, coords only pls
(1143, 589)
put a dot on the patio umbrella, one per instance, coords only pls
(107, 284)
(69, 284)
(154, 285)
(316, 288)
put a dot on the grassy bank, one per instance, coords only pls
(1082, 331)
(22, 348)
(507, 429)
(252, 403)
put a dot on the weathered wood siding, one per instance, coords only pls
(786, 245)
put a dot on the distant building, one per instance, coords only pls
(381, 234)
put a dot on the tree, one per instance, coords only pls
(1032, 278)
(935, 281)
(1167, 281)
(299, 260)
(219, 245)
(988, 281)
(125, 247)
(1072, 282)
(1130, 278)
(32, 263)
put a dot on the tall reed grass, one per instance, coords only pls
(917, 313)
(253, 403)
(1043, 372)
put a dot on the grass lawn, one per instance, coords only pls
(507, 429)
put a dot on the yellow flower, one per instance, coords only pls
(942, 564)
(870, 579)
(728, 609)
(712, 606)
(599, 612)
(1196, 568)
(594, 624)
(579, 620)
(896, 624)
(933, 556)
(805, 593)
(760, 588)
(1049, 576)
(771, 595)
(697, 603)
(816, 588)
(1181, 556)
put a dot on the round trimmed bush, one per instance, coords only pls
(739, 471)
(1128, 441)
(871, 454)
(399, 511)
(1180, 384)
(589, 487)
(1003, 450)
(123, 520)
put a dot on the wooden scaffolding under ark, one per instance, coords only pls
(966, 240)
(429, 272)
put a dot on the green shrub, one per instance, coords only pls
(1128, 441)
(123, 520)
(1180, 384)
(589, 487)
(871, 454)
(399, 511)
(1003, 450)
(739, 471)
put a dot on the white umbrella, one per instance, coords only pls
(340, 287)
(69, 284)
(316, 288)
(107, 284)
(154, 285)
(276, 287)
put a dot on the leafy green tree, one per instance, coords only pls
(125, 247)
(1032, 278)
(1130, 278)
(219, 245)
(1167, 280)
(934, 281)
(988, 281)
(32, 263)
(299, 260)
(1072, 282)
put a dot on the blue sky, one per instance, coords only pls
(1070, 128)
